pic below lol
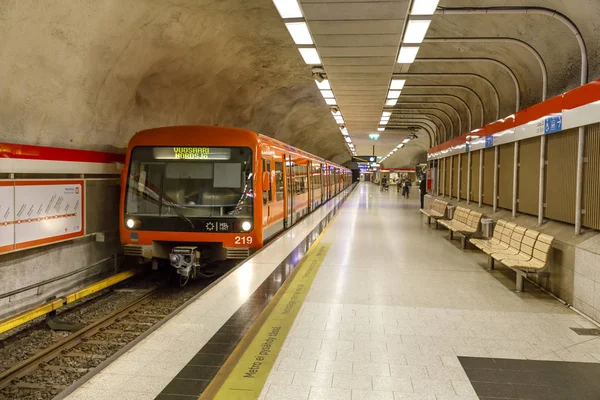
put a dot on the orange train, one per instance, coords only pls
(195, 195)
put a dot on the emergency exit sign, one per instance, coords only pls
(373, 136)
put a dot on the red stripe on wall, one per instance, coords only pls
(21, 151)
(577, 97)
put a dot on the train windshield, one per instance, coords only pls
(190, 182)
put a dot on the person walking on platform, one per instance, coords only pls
(423, 190)
(406, 187)
(383, 183)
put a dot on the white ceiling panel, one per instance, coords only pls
(327, 11)
(356, 40)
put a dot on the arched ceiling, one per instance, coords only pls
(89, 74)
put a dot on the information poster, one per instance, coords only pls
(7, 213)
(47, 212)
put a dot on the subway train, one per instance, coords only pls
(195, 195)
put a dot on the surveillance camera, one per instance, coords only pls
(318, 74)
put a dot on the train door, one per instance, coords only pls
(267, 196)
(290, 215)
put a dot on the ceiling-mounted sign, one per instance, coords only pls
(373, 136)
(489, 141)
(364, 159)
(553, 124)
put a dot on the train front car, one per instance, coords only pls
(188, 197)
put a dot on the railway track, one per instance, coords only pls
(50, 370)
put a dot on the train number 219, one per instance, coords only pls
(243, 240)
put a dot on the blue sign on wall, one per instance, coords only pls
(489, 141)
(553, 124)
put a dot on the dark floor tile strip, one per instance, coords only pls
(193, 379)
(531, 379)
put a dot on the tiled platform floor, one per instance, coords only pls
(395, 304)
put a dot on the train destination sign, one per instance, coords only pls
(192, 153)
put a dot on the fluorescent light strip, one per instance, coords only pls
(416, 30)
(323, 85)
(348, 139)
(424, 7)
(336, 113)
(391, 102)
(383, 122)
(288, 8)
(397, 84)
(310, 55)
(406, 140)
(328, 94)
(407, 54)
(386, 114)
(393, 94)
(299, 32)
(331, 102)
(381, 129)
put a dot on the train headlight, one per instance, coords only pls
(130, 223)
(246, 226)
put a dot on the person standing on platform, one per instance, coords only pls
(406, 187)
(423, 190)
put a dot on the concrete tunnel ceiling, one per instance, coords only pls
(91, 74)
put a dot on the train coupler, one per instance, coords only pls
(185, 259)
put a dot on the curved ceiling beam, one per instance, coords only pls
(519, 42)
(483, 59)
(482, 116)
(438, 103)
(529, 10)
(452, 96)
(429, 111)
(421, 123)
(466, 74)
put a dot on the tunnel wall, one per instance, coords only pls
(55, 263)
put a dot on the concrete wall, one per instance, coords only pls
(31, 267)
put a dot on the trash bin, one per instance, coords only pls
(450, 212)
(487, 227)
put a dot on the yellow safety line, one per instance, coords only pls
(38, 311)
(245, 372)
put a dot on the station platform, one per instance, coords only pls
(362, 300)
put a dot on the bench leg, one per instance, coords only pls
(520, 286)
(436, 224)
(450, 236)
(463, 242)
(428, 220)
(490, 262)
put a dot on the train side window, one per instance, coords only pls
(278, 181)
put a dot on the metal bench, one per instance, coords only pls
(465, 222)
(436, 211)
(522, 250)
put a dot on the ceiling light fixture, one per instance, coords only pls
(407, 54)
(383, 122)
(323, 85)
(386, 114)
(424, 7)
(381, 129)
(331, 102)
(391, 102)
(299, 32)
(393, 94)
(288, 8)
(310, 55)
(416, 30)
(397, 84)
(406, 140)
(336, 113)
(348, 139)
(328, 94)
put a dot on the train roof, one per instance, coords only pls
(167, 135)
